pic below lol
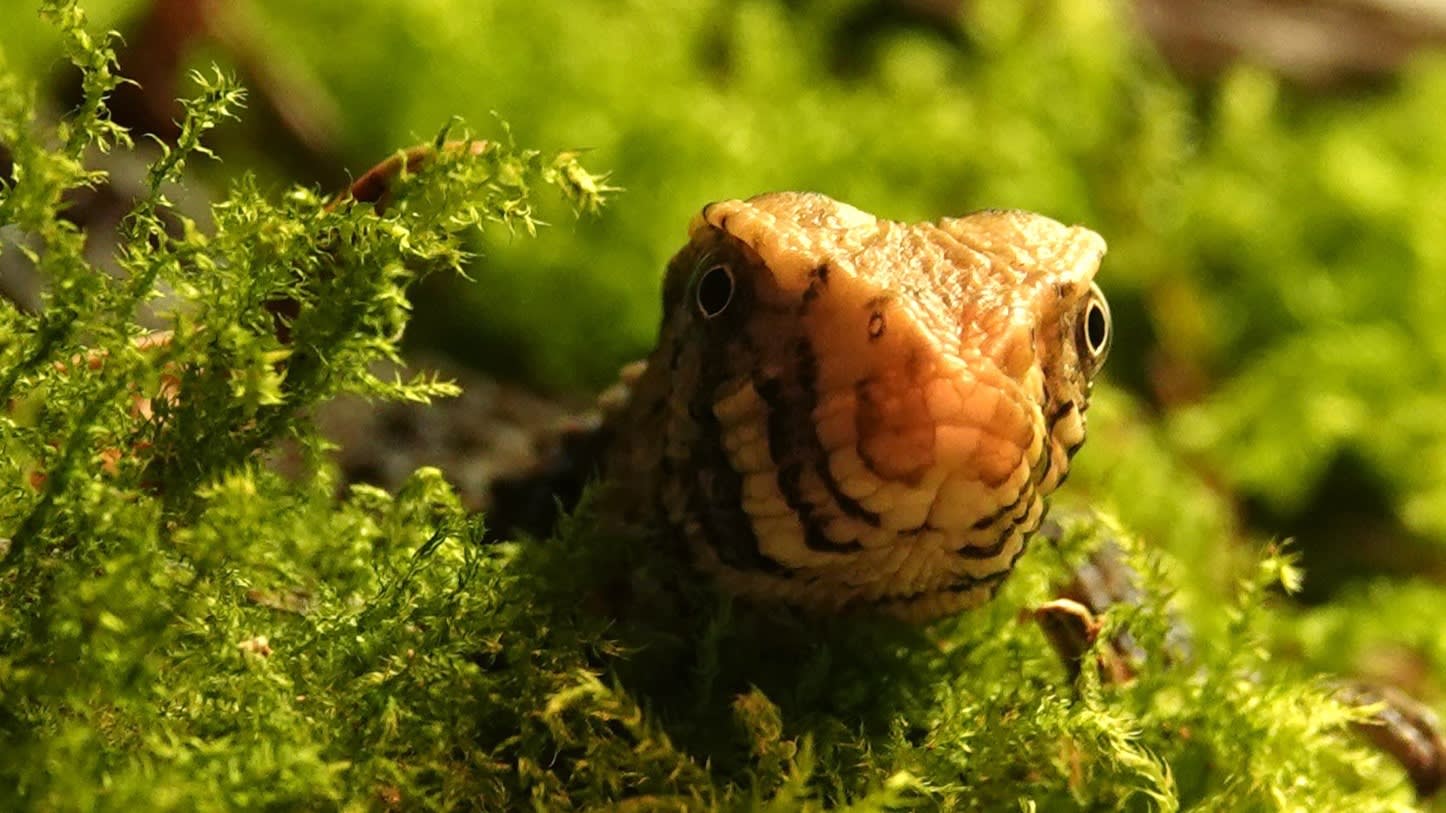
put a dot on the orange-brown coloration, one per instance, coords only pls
(858, 412)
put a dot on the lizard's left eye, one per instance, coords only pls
(715, 290)
(1094, 330)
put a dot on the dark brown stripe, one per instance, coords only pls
(971, 582)
(975, 552)
(1063, 410)
(964, 583)
(715, 493)
(807, 371)
(1004, 534)
(993, 580)
(1050, 424)
(1046, 457)
(817, 282)
(1023, 546)
(848, 505)
(861, 395)
(793, 439)
(728, 532)
(790, 428)
(781, 424)
(997, 515)
(807, 375)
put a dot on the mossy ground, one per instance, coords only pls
(182, 628)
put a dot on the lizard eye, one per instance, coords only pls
(715, 290)
(1094, 330)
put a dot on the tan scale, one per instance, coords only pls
(844, 411)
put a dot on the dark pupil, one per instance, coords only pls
(1096, 329)
(715, 290)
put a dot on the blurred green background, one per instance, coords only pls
(1277, 227)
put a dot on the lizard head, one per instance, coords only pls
(857, 411)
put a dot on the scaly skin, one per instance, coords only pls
(843, 411)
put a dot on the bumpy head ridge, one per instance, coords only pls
(846, 411)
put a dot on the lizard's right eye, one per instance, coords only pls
(1094, 331)
(715, 290)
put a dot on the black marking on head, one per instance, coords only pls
(964, 584)
(970, 582)
(715, 490)
(715, 502)
(817, 282)
(1023, 544)
(793, 440)
(972, 552)
(780, 426)
(863, 395)
(1059, 414)
(995, 579)
(1041, 467)
(1005, 534)
(814, 538)
(848, 505)
(807, 371)
(1003, 510)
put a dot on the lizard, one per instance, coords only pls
(845, 412)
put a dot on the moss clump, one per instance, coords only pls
(183, 628)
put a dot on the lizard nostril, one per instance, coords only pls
(876, 325)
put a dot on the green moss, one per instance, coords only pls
(183, 628)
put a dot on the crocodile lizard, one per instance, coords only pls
(843, 411)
